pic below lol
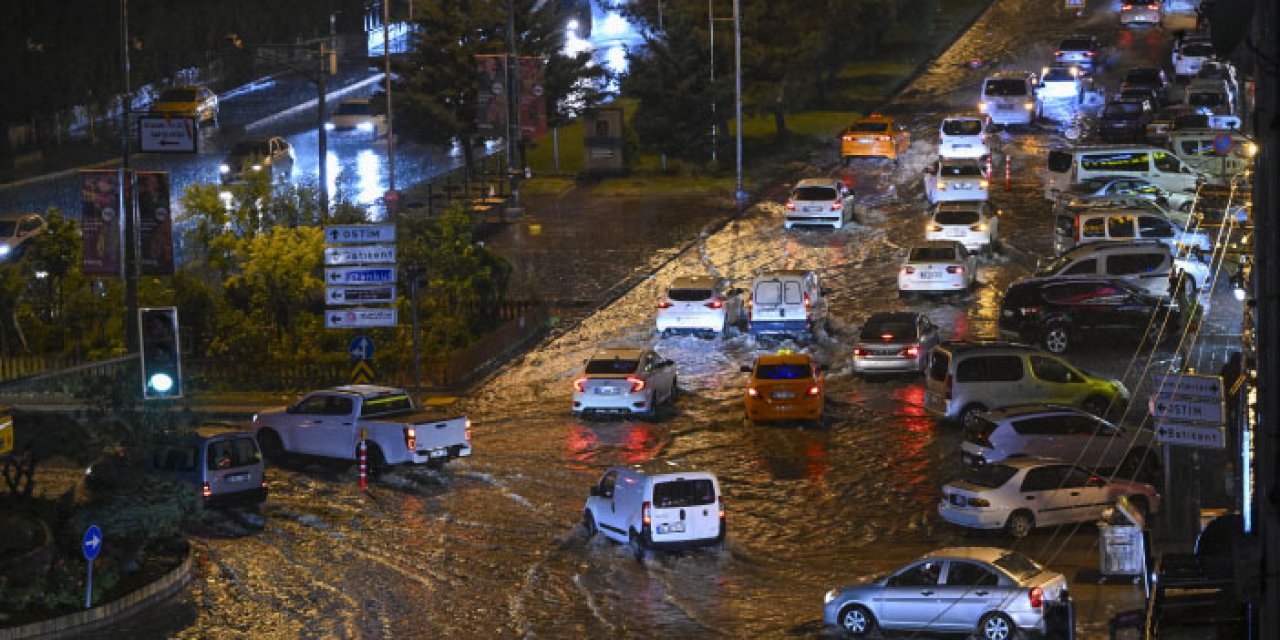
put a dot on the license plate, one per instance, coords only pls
(864, 140)
(1005, 107)
(930, 275)
(961, 146)
(438, 453)
(955, 233)
(675, 527)
(782, 395)
(813, 209)
(607, 391)
(239, 477)
(958, 500)
(783, 407)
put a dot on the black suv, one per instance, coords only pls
(1152, 79)
(1055, 312)
(1125, 120)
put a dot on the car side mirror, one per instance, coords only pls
(746, 368)
(596, 492)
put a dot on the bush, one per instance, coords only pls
(149, 509)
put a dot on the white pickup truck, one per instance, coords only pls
(327, 424)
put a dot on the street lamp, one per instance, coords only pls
(737, 93)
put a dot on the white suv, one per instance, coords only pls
(699, 304)
(975, 224)
(1009, 98)
(820, 202)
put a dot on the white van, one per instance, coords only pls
(1009, 97)
(655, 507)
(787, 302)
(1195, 147)
(1078, 165)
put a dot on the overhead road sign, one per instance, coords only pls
(167, 135)
(336, 276)
(360, 233)
(357, 318)
(1188, 385)
(1176, 433)
(1165, 408)
(359, 254)
(360, 295)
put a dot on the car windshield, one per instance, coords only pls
(683, 493)
(8, 228)
(1059, 74)
(869, 127)
(251, 148)
(689, 295)
(888, 331)
(956, 216)
(933, 254)
(962, 127)
(1205, 99)
(783, 371)
(1017, 564)
(825, 194)
(961, 170)
(354, 109)
(1197, 50)
(1077, 44)
(990, 476)
(1122, 109)
(178, 95)
(1006, 87)
(612, 366)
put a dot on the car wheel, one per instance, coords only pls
(996, 626)
(904, 295)
(272, 448)
(1097, 405)
(969, 415)
(589, 524)
(651, 407)
(375, 461)
(855, 620)
(637, 545)
(1020, 524)
(1056, 339)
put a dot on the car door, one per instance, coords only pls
(308, 418)
(337, 429)
(968, 590)
(1054, 382)
(1086, 495)
(1042, 492)
(605, 508)
(663, 373)
(1096, 443)
(1149, 270)
(910, 597)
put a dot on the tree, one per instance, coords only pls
(279, 280)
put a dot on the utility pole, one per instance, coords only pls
(514, 170)
(128, 194)
(391, 138)
(711, 26)
(737, 92)
(323, 138)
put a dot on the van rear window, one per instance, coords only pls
(683, 493)
(1005, 87)
(230, 454)
(777, 292)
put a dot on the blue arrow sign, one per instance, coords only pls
(361, 348)
(92, 544)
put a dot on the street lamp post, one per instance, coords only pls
(128, 192)
(391, 138)
(737, 92)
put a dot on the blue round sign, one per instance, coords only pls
(1222, 144)
(360, 348)
(92, 544)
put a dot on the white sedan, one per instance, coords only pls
(975, 224)
(624, 382)
(956, 179)
(1020, 494)
(359, 115)
(937, 266)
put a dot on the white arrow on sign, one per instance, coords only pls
(360, 295)
(1190, 435)
(93, 542)
(160, 134)
(359, 275)
(1186, 410)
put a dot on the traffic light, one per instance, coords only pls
(161, 353)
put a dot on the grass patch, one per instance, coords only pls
(547, 185)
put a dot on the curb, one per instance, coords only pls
(75, 624)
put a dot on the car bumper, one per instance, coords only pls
(885, 364)
(941, 284)
(1020, 115)
(971, 241)
(442, 454)
(621, 404)
(835, 220)
(797, 409)
(960, 195)
(962, 150)
(691, 323)
(1140, 18)
(791, 327)
(237, 499)
(972, 518)
(880, 150)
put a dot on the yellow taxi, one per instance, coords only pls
(875, 136)
(785, 386)
(193, 102)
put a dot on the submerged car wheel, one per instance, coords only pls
(1056, 339)
(856, 620)
(1020, 524)
(969, 415)
(996, 626)
(589, 524)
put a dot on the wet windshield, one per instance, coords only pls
(614, 366)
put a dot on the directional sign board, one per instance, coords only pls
(167, 135)
(92, 543)
(335, 276)
(1207, 437)
(1176, 409)
(360, 295)
(360, 233)
(1189, 385)
(358, 318)
(371, 254)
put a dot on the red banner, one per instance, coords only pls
(491, 95)
(533, 100)
(155, 223)
(100, 222)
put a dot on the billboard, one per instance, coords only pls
(155, 223)
(491, 95)
(100, 222)
(533, 100)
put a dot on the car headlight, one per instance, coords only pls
(1120, 389)
(328, 126)
(257, 167)
(224, 168)
(831, 595)
(365, 126)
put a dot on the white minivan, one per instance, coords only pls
(655, 506)
(1009, 97)
(1078, 165)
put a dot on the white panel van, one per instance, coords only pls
(654, 507)
(1077, 165)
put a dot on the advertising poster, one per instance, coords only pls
(100, 222)
(155, 223)
(491, 95)
(533, 100)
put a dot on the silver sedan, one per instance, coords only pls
(998, 593)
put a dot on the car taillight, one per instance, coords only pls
(942, 185)
(1153, 7)
(1126, 7)
(1057, 54)
(1075, 228)
(979, 502)
(467, 430)
(806, 301)
(908, 270)
(264, 482)
(715, 304)
(859, 351)
(1036, 595)
(205, 491)
(1028, 311)
(983, 184)
(887, 337)
(979, 227)
(410, 439)
(911, 352)
(847, 138)
(720, 501)
(947, 386)
(814, 390)
(791, 205)
(637, 384)
(935, 228)
(1029, 106)
(646, 514)
(663, 304)
(1088, 54)
(837, 205)
(883, 138)
(753, 392)
(955, 269)
(580, 384)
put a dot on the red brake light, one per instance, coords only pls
(410, 439)
(837, 205)
(955, 269)
(1028, 311)
(814, 390)
(791, 205)
(887, 337)
(753, 392)
(1036, 595)
(646, 515)
(848, 138)
(580, 384)
(468, 430)
(637, 384)
(715, 304)
(1088, 54)
(806, 301)
(720, 501)
(205, 491)
(1126, 7)
(859, 351)
(663, 304)
(908, 270)
(911, 352)
(1153, 7)
(883, 138)
(1057, 54)
(936, 228)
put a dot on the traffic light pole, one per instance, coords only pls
(128, 195)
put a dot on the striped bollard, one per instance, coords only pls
(1008, 172)
(363, 455)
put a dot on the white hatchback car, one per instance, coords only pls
(626, 382)
(820, 202)
(1060, 432)
(964, 137)
(1020, 494)
(937, 266)
(1190, 54)
(956, 179)
(973, 223)
(699, 304)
